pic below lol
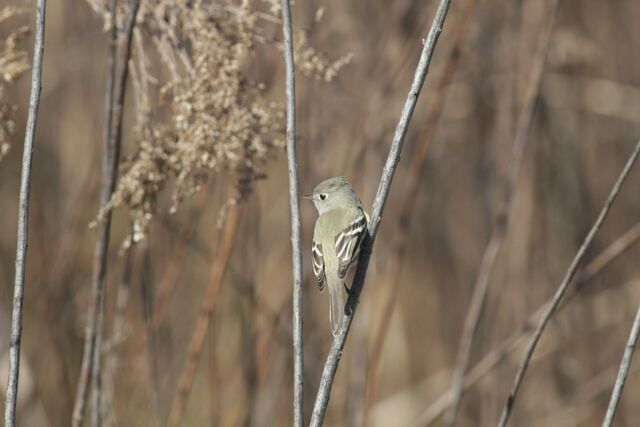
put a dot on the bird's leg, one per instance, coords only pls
(348, 308)
(347, 289)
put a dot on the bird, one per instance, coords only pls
(337, 237)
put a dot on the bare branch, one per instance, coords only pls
(112, 347)
(492, 250)
(114, 109)
(506, 411)
(624, 370)
(115, 143)
(294, 197)
(331, 365)
(23, 219)
(102, 244)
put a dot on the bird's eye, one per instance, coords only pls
(323, 196)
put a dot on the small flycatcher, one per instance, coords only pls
(339, 231)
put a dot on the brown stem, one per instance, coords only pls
(114, 103)
(201, 327)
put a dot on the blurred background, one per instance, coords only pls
(445, 205)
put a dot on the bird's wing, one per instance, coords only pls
(318, 264)
(347, 243)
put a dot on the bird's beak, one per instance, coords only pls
(307, 196)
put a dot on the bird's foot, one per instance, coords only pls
(349, 291)
(351, 302)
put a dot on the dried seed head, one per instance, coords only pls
(202, 114)
(13, 63)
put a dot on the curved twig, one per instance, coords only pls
(23, 219)
(331, 365)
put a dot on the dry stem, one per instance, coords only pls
(114, 102)
(23, 217)
(201, 327)
(624, 370)
(298, 361)
(117, 336)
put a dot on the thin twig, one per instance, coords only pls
(96, 364)
(491, 360)
(506, 411)
(146, 288)
(250, 349)
(613, 251)
(624, 370)
(114, 102)
(411, 189)
(23, 219)
(102, 241)
(331, 365)
(113, 347)
(294, 197)
(115, 143)
(492, 250)
(218, 269)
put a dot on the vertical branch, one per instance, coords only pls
(114, 102)
(117, 336)
(146, 281)
(23, 218)
(99, 259)
(114, 145)
(298, 360)
(624, 370)
(201, 328)
(506, 411)
(96, 362)
(499, 233)
(331, 365)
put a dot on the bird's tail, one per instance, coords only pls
(336, 307)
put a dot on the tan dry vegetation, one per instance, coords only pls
(204, 115)
(13, 63)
